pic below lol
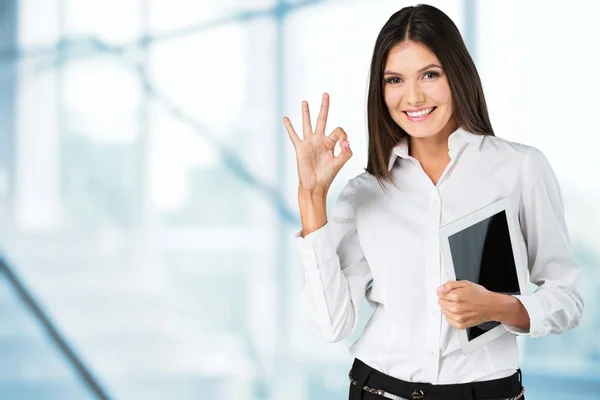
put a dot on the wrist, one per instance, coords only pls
(312, 194)
(502, 306)
(313, 209)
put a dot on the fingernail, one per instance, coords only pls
(440, 288)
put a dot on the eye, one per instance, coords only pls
(393, 79)
(431, 74)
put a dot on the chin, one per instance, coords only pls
(422, 131)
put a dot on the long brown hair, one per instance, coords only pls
(428, 26)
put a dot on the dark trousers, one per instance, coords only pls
(363, 375)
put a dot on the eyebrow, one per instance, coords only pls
(421, 70)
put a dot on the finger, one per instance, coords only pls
(306, 124)
(451, 285)
(449, 317)
(291, 132)
(446, 305)
(449, 296)
(456, 321)
(459, 325)
(338, 135)
(454, 296)
(460, 320)
(322, 119)
(450, 307)
(343, 157)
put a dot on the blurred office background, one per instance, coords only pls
(148, 186)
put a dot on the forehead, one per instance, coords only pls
(410, 56)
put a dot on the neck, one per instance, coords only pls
(434, 149)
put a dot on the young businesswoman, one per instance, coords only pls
(432, 158)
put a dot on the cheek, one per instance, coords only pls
(441, 94)
(392, 97)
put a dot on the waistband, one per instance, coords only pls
(362, 376)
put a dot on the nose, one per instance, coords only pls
(414, 96)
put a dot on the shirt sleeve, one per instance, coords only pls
(556, 305)
(335, 271)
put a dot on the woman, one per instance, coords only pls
(432, 158)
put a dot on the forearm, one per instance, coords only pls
(509, 310)
(313, 211)
(336, 273)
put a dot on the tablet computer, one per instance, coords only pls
(479, 248)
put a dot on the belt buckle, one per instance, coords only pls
(417, 394)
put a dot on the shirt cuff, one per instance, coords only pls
(537, 326)
(317, 247)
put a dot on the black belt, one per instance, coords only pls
(364, 378)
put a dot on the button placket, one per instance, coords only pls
(433, 250)
(429, 266)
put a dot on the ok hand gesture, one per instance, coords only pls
(317, 164)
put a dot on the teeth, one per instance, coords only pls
(420, 113)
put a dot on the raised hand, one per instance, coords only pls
(317, 164)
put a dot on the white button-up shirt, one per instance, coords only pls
(386, 246)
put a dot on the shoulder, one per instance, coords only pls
(505, 146)
(361, 186)
(527, 156)
(366, 186)
(362, 180)
(344, 205)
(531, 165)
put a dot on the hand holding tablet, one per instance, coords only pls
(466, 304)
(479, 253)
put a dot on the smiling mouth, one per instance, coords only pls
(420, 115)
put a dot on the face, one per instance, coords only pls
(416, 91)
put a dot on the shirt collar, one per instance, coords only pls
(460, 135)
